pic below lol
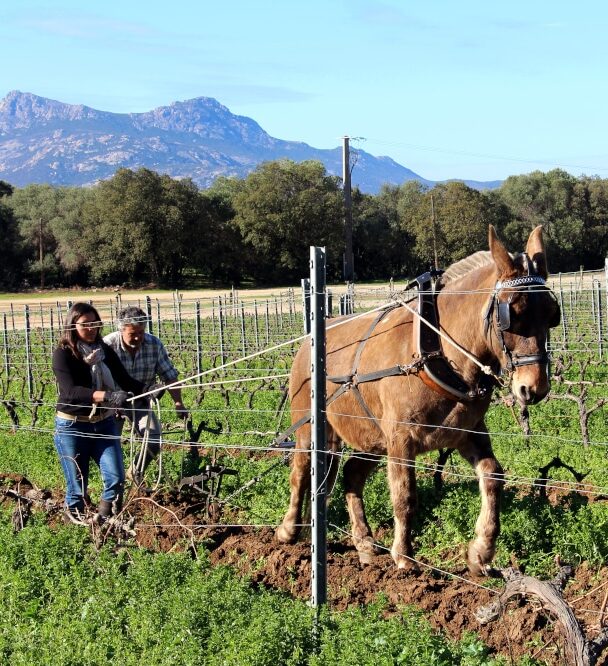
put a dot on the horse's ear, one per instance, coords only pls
(502, 259)
(535, 249)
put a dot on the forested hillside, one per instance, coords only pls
(142, 228)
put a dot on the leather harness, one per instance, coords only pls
(430, 364)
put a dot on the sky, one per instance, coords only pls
(472, 89)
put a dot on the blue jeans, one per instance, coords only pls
(77, 442)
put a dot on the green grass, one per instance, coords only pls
(66, 604)
(75, 603)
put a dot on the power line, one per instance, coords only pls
(464, 153)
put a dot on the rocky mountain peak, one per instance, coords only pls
(46, 141)
(21, 110)
(205, 117)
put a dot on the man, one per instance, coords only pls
(145, 359)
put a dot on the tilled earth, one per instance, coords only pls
(449, 602)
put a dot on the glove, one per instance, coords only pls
(116, 398)
(159, 390)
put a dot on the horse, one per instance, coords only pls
(495, 312)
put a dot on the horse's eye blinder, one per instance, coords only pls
(503, 314)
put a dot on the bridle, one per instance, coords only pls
(502, 317)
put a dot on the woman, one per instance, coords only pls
(92, 385)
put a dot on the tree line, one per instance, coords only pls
(141, 228)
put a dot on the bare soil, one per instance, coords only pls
(173, 521)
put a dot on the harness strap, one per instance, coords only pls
(431, 365)
(370, 376)
(346, 386)
(532, 359)
(366, 337)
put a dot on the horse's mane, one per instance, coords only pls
(466, 265)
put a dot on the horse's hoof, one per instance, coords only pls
(407, 565)
(483, 570)
(284, 535)
(366, 557)
(366, 548)
(479, 558)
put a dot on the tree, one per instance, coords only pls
(141, 227)
(6, 189)
(11, 250)
(68, 230)
(382, 234)
(282, 209)
(35, 206)
(572, 212)
(221, 253)
(460, 226)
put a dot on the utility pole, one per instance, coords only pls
(434, 232)
(40, 253)
(349, 270)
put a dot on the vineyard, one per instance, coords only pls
(221, 487)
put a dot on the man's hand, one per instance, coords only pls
(159, 390)
(182, 411)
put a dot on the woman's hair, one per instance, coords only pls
(69, 336)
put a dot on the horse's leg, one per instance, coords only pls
(333, 461)
(478, 451)
(356, 472)
(402, 484)
(299, 484)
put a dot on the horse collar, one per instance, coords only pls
(435, 369)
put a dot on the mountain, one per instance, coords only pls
(42, 140)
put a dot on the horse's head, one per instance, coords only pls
(520, 313)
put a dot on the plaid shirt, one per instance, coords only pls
(150, 360)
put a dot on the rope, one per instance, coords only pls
(181, 382)
(486, 369)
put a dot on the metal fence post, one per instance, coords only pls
(149, 311)
(199, 351)
(600, 322)
(256, 324)
(243, 330)
(220, 320)
(179, 318)
(306, 304)
(28, 354)
(318, 479)
(5, 345)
